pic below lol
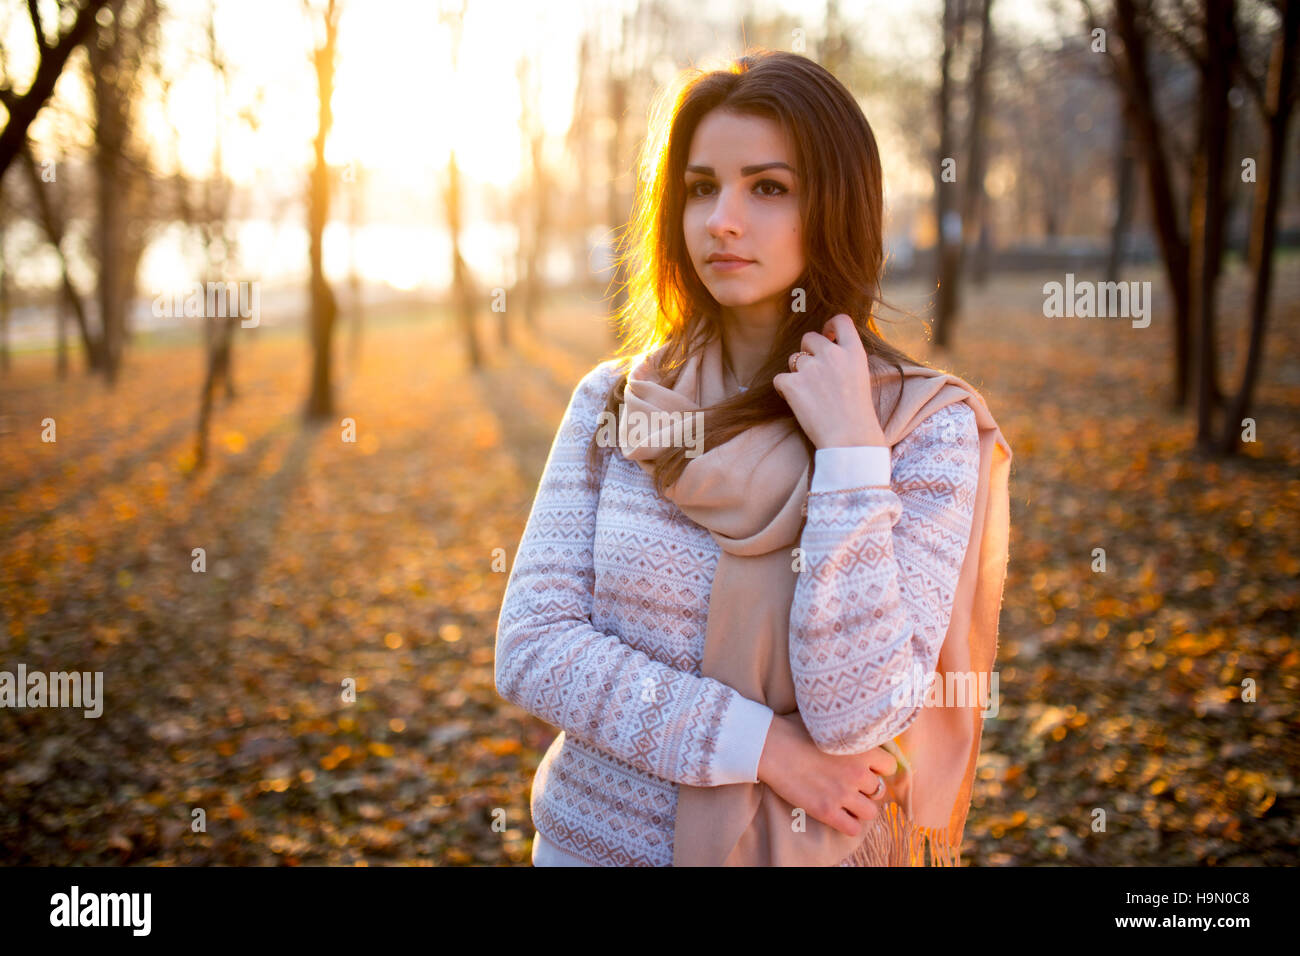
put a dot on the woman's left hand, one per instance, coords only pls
(830, 395)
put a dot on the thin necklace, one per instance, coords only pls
(726, 365)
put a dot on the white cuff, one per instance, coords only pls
(839, 469)
(741, 740)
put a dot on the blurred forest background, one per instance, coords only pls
(403, 222)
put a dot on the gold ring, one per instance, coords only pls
(794, 360)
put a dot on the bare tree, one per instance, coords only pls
(974, 201)
(1125, 182)
(1210, 39)
(621, 59)
(463, 296)
(945, 205)
(324, 307)
(1132, 26)
(52, 57)
(356, 178)
(534, 223)
(219, 251)
(837, 45)
(4, 281)
(958, 204)
(126, 45)
(581, 142)
(53, 220)
(639, 39)
(1207, 210)
(1275, 103)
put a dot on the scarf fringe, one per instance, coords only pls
(895, 840)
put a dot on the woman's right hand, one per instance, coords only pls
(829, 787)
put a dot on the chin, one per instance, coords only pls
(739, 301)
(733, 297)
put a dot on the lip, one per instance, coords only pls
(732, 264)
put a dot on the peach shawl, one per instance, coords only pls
(750, 494)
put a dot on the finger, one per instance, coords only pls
(862, 807)
(883, 763)
(814, 342)
(846, 823)
(782, 381)
(870, 791)
(845, 333)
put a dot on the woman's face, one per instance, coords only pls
(742, 200)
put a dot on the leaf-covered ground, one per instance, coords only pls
(328, 560)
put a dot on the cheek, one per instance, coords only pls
(790, 231)
(782, 224)
(692, 226)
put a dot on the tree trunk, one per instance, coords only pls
(110, 224)
(1125, 181)
(465, 308)
(579, 141)
(53, 226)
(1135, 80)
(461, 296)
(532, 208)
(945, 209)
(324, 307)
(220, 330)
(1268, 198)
(61, 336)
(973, 202)
(118, 58)
(1207, 204)
(356, 216)
(4, 284)
(536, 282)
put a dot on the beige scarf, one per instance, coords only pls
(750, 493)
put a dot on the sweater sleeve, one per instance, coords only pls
(875, 596)
(842, 468)
(553, 663)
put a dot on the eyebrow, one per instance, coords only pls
(744, 170)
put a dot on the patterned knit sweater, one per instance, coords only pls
(601, 630)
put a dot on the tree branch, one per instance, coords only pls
(1172, 33)
(35, 12)
(23, 109)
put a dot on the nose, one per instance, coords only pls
(726, 215)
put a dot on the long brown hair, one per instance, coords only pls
(841, 206)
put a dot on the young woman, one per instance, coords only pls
(743, 561)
